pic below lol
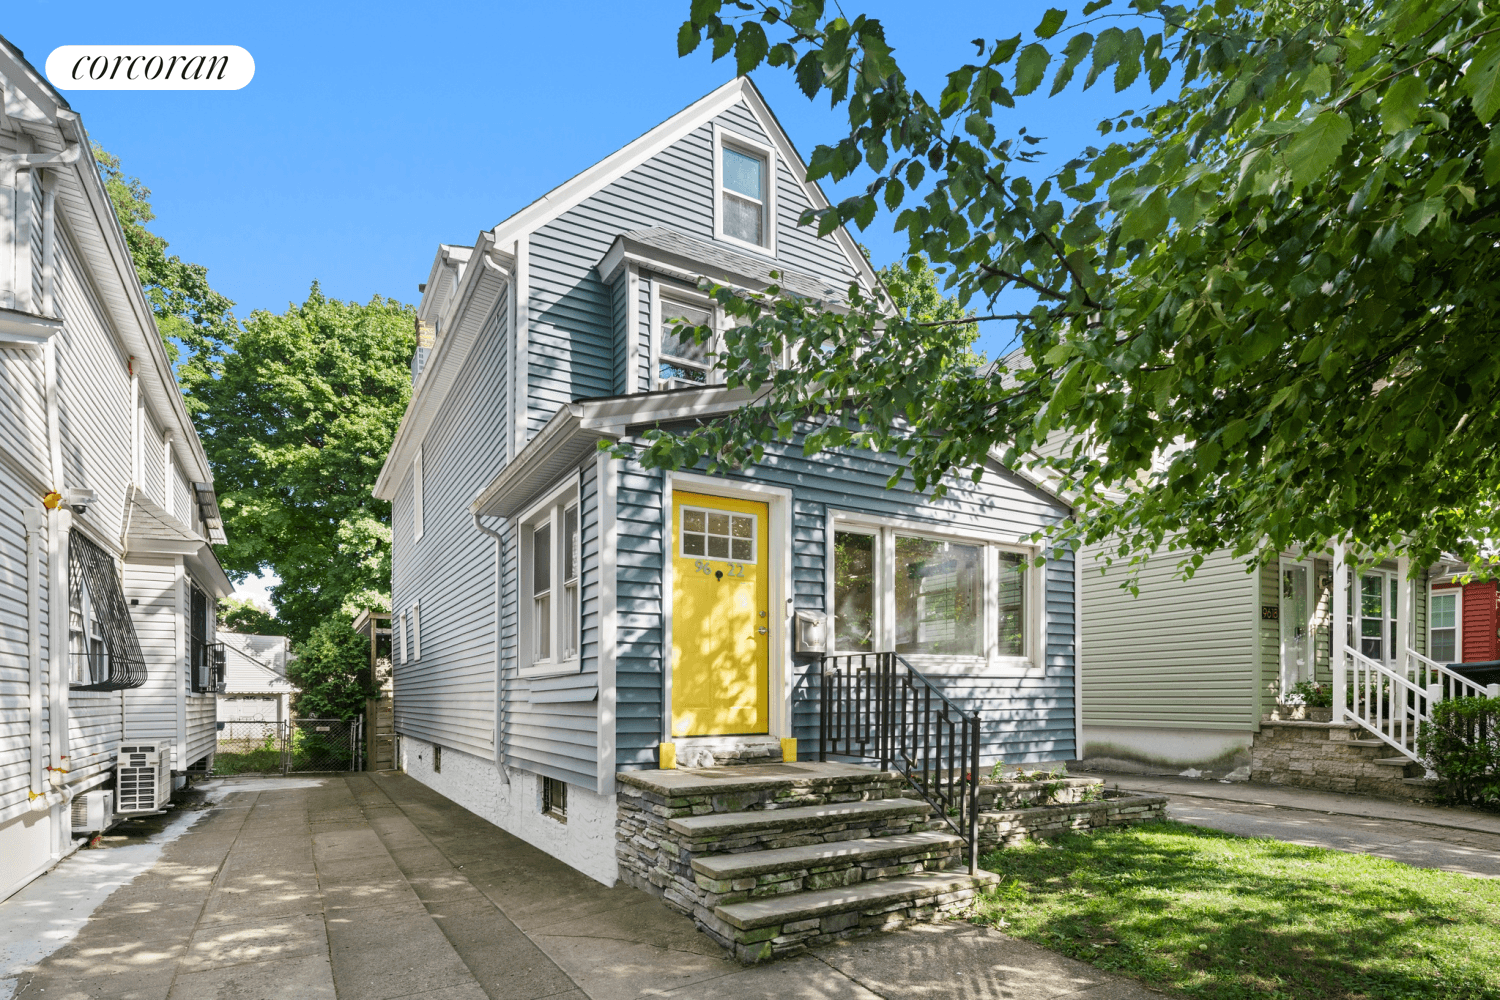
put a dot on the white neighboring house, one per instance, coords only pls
(255, 686)
(107, 511)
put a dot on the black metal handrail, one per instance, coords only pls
(876, 706)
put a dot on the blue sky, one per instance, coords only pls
(374, 131)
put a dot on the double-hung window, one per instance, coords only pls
(744, 174)
(683, 362)
(1443, 626)
(928, 595)
(550, 564)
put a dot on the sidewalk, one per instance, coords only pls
(371, 886)
(1461, 840)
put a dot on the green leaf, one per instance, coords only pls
(1031, 67)
(1106, 52)
(1078, 47)
(1492, 158)
(1418, 215)
(1051, 22)
(1316, 147)
(1482, 78)
(1094, 5)
(751, 48)
(1401, 103)
(687, 38)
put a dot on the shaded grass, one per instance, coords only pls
(260, 760)
(1214, 916)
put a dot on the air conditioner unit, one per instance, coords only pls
(92, 811)
(143, 778)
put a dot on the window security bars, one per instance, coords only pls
(555, 799)
(102, 644)
(207, 666)
(875, 706)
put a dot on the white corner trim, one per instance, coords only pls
(607, 484)
(521, 342)
(633, 334)
(725, 136)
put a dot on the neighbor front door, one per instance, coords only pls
(720, 616)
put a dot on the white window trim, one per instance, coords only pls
(416, 630)
(745, 144)
(991, 544)
(550, 507)
(689, 297)
(1458, 618)
(416, 495)
(401, 638)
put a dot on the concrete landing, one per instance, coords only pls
(372, 886)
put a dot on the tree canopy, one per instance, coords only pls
(1261, 307)
(296, 420)
(189, 313)
(332, 671)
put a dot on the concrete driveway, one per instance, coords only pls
(371, 886)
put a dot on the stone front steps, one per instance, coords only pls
(772, 859)
(1336, 757)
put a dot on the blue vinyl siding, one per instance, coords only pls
(1029, 712)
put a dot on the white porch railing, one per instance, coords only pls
(1386, 703)
(1442, 682)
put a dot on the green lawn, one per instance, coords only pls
(1209, 915)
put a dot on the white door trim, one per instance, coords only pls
(778, 500)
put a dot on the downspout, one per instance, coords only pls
(36, 522)
(499, 677)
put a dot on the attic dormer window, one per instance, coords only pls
(744, 172)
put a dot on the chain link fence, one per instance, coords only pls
(300, 745)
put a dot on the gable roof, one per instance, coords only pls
(574, 190)
(492, 253)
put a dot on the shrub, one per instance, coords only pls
(1462, 745)
(332, 672)
(1312, 694)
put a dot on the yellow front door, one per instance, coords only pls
(721, 624)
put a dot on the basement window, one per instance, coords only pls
(437, 759)
(555, 799)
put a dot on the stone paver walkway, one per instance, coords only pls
(371, 886)
(1459, 840)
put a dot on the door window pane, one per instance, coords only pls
(718, 535)
(853, 592)
(1372, 616)
(1012, 604)
(938, 597)
(1294, 608)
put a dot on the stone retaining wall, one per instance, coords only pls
(1326, 756)
(1010, 827)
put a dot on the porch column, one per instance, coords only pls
(1403, 616)
(1336, 633)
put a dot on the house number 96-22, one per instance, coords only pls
(730, 569)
